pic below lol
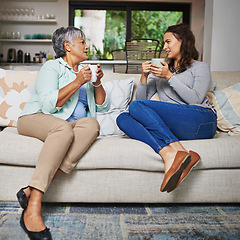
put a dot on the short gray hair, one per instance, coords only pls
(62, 35)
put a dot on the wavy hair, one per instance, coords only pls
(188, 50)
(62, 35)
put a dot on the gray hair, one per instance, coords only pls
(62, 35)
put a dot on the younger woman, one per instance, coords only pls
(183, 113)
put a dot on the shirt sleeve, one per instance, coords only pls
(146, 91)
(47, 87)
(195, 94)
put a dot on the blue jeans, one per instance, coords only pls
(159, 123)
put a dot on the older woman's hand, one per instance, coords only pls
(99, 72)
(84, 75)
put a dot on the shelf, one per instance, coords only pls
(29, 0)
(46, 21)
(26, 40)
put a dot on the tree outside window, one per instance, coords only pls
(106, 29)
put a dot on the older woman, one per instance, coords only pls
(61, 114)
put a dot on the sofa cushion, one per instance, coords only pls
(227, 104)
(120, 94)
(16, 88)
(121, 152)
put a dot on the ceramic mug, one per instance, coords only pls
(157, 61)
(94, 74)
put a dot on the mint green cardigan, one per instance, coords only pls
(54, 75)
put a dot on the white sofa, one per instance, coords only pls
(119, 169)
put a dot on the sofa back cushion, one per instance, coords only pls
(227, 104)
(16, 88)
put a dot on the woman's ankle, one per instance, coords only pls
(27, 192)
(177, 146)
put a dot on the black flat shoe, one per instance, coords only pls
(22, 198)
(42, 235)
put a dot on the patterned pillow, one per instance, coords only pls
(227, 104)
(120, 94)
(16, 88)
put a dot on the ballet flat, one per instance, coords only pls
(42, 235)
(180, 162)
(22, 198)
(195, 159)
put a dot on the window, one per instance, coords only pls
(107, 25)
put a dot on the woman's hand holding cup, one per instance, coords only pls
(97, 74)
(146, 66)
(159, 68)
(84, 75)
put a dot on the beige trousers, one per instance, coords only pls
(64, 144)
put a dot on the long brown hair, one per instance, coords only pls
(188, 50)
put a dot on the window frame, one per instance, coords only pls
(128, 7)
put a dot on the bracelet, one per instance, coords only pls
(97, 85)
(169, 77)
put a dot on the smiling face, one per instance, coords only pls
(78, 49)
(172, 46)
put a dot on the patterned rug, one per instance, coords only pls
(128, 221)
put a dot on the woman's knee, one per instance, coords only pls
(122, 120)
(64, 129)
(135, 107)
(90, 123)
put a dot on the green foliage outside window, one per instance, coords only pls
(144, 24)
(153, 24)
(115, 32)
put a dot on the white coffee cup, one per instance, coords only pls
(94, 74)
(157, 61)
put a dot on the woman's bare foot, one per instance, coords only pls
(177, 146)
(27, 192)
(32, 215)
(168, 154)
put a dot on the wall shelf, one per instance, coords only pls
(28, 21)
(29, 0)
(26, 40)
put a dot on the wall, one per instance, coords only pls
(221, 35)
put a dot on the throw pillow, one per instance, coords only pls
(120, 94)
(16, 88)
(227, 104)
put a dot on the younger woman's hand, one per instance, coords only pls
(160, 71)
(146, 67)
